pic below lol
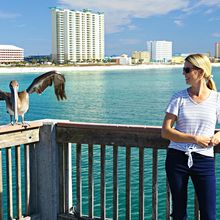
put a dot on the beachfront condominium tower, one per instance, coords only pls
(217, 50)
(160, 51)
(77, 36)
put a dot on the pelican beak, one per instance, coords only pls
(14, 92)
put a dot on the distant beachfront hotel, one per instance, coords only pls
(160, 51)
(217, 50)
(77, 36)
(11, 54)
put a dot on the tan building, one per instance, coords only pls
(140, 57)
(217, 50)
(178, 59)
(11, 54)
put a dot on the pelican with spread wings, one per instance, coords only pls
(17, 103)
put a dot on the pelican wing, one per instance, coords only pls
(4, 95)
(40, 83)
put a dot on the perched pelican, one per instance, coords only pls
(17, 103)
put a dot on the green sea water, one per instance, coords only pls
(136, 97)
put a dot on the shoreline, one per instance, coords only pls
(90, 68)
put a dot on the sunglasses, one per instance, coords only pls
(187, 69)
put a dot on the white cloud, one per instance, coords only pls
(132, 27)
(214, 19)
(179, 23)
(216, 34)
(209, 2)
(120, 14)
(8, 15)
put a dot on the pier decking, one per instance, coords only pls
(36, 163)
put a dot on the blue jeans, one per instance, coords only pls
(203, 177)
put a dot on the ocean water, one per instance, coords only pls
(136, 97)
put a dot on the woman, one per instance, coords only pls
(194, 111)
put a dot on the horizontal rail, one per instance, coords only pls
(132, 135)
(17, 134)
(148, 136)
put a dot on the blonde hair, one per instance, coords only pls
(201, 61)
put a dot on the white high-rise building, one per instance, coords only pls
(77, 36)
(161, 51)
(217, 50)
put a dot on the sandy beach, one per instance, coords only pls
(88, 68)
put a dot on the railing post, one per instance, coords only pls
(155, 185)
(44, 178)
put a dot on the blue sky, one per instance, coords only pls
(193, 26)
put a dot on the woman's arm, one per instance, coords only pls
(172, 134)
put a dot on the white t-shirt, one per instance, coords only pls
(194, 118)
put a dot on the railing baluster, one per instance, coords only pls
(196, 208)
(141, 183)
(79, 180)
(65, 177)
(9, 182)
(1, 188)
(103, 194)
(61, 178)
(91, 182)
(115, 182)
(155, 186)
(33, 182)
(18, 180)
(128, 183)
(68, 176)
(27, 178)
(167, 201)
